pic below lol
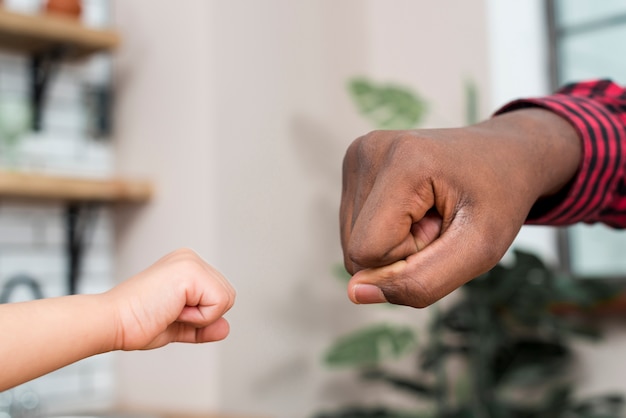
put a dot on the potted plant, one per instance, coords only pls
(514, 344)
(69, 8)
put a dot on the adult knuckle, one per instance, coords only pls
(352, 152)
(367, 146)
(353, 148)
(349, 264)
(404, 141)
(360, 255)
(411, 147)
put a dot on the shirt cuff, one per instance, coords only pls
(593, 187)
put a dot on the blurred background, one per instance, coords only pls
(238, 113)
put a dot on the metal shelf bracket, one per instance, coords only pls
(79, 222)
(43, 66)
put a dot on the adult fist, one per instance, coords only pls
(423, 212)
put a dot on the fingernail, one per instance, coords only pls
(368, 293)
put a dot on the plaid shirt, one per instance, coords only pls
(597, 109)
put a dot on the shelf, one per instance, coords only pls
(50, 40)
(80, 195)
(39, 33)
(72, 189)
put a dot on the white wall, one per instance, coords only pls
(164, 117)
(240, 115)
(285, 121)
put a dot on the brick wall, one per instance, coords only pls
(32, 235)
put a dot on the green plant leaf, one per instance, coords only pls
(370, 346)
(530, 361)
(471, 102)
(435, 354)
(605, 406)
(505, 328)
(387, 106)
(460, 318)
(583, 292)
(583, 329)
(409, 385)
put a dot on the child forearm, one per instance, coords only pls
(180, 298)
(43, 335)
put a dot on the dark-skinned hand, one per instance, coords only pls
(425, 211)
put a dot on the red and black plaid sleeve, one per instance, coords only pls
(597, 109)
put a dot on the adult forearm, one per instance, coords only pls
(41, 336)
(596, 109)
(548, 145)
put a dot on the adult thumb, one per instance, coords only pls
(426, 276)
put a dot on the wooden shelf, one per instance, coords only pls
(39, 33)
(72, 189)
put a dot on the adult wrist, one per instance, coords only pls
(552, 149)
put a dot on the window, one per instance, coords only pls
(588, 40)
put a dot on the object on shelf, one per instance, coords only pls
(50, 40)
(15, 122)
(69, 8)
(99, 109)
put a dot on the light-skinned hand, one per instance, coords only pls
(180, 298)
